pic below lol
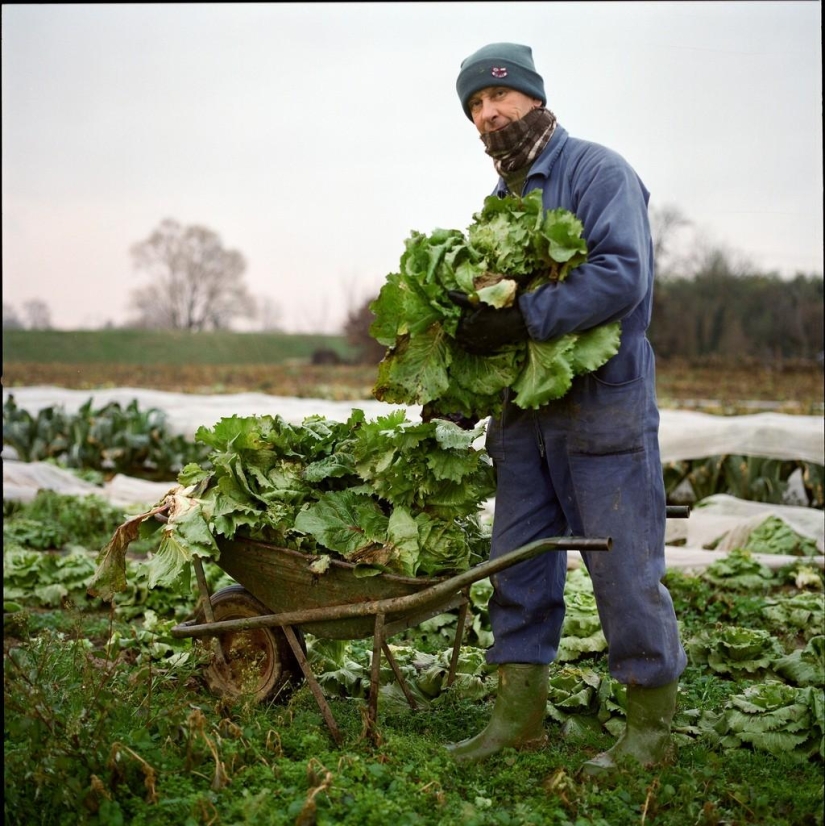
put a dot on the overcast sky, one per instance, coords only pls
(315, 137)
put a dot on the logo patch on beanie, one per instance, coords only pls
(498, 71)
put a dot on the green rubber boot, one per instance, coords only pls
(518, 715)
(646, 739)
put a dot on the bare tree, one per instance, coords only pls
(665, 222)
(357, 331)
(11, 321)
(197, 283)
(269, 315)
(38, 313)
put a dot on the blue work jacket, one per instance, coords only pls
(616, 283)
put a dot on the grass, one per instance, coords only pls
(295, 379)
(741, 387)
(109, 742)
(168, 347)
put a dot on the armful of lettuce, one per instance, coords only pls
(512, 247)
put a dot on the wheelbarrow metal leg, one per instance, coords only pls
(203, 588)
(398, 676)
(206, 600)
(314, 686)
(375, 677)
(459, 635)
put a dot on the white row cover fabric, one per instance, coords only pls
(688, 434)
(22, 480)
(725, 522)
(684, 434)
(721, 521)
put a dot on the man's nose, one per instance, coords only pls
(488, 109)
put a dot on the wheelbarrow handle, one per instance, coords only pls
(525, 552)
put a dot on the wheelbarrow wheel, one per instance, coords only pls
(258, 664)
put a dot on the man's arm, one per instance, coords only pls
(611, 202)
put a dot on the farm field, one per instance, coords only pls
(282, 365)
(108, 718)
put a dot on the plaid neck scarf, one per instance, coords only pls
(520, 142)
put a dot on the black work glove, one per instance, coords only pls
(464, 422)
(429, 413)
(483, 329)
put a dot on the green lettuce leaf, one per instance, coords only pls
(595, 347)
(415, 368)
(344, 522)
(775, 536)
(547, 373)
(805, 666)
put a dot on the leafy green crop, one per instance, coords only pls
(775, 536)
(582, 632)
(755, 478)
(572, 691)
(388, 495)
(739, 571)
(512, 247)
(344, 671)
(45, 579)
(803, 613)
(743, 652)
(777, 718)
(52, 520)
(804, 666)
(117, 727)
(111, 439)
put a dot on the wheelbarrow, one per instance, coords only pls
(257, 626)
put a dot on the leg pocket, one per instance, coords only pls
(613, 496)
(608, 418)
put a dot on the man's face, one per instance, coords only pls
(494, 107)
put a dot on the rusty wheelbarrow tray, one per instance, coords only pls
(279, 597)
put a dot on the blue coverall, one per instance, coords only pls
(588, 464)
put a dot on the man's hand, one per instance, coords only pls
(464, 422)
(483, 330)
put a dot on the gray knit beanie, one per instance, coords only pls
(499, 64)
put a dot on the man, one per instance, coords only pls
(587, 464)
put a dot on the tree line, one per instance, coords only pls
(707, 304)
(754, 317)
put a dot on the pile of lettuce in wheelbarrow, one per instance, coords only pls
(389, 495)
